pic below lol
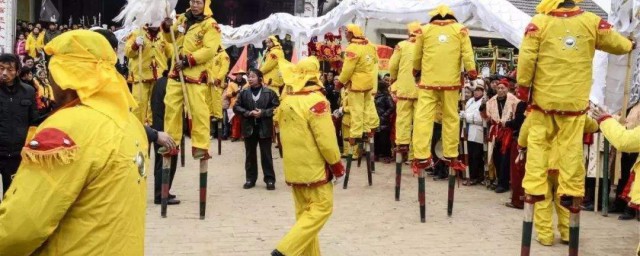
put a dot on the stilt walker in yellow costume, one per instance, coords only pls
(84, 171)
(404, 88)
(554, 68)
(359, 76)
(218, 69)
(146, 49)
(197, 36)
(309, 168)
(270, 68)
(543, 212)
(443, 47)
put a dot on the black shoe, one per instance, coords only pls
(271, 185)
(248, 185)
(276, 253)
(500, 190)
(169, 202)
(172, 196)
(628, 214)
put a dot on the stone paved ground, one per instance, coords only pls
(366, 220)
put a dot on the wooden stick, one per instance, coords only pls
(623, 114)
(598, 171)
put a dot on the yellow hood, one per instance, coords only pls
(297, 76)
(546, 6)
(355, 30)
(441, 10)
(84, 61)
(414, 28)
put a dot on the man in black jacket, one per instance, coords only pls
(256, 106)
(18, 111)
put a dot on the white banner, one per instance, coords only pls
(7, 25)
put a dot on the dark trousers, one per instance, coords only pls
(226, 125)
(382, 143)
(251, 162)
(476, 160)
(517, 174)
(502, 164)
(157, 172)
(627, 162)
(8, 168)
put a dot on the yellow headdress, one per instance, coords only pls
(297, 76)
(414, 28)
(84, 61)
(441, 10)
(274, 40)
(546, 6)
(355, 30)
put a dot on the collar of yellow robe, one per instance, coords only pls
(547, 6)
(296, 76)
(83, 61)
(441, 10)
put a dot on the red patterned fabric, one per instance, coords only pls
(531, 28)
(517, 174)
(320, 108)
(50, 139)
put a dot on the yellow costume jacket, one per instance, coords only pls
(34, 44)
(360, 66)
(305, 117)
(556, 57)
(401, 70)
(81, 184)
(626, 141)
(441, 50)
(198, 45)
(270, 70)
(156, 52)
(219, 67)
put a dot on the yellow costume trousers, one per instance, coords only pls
(314, 206)
(143, 99)
(373, 120)
(201, 124)
(543, 215)
(360, 104)
(404, 121)
(425, 114)
(214, 100)
(543, 131)
(346, 147)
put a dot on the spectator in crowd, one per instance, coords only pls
(51, 33)
(30, 27)
(21, 47)
(29, 62)
(256, 106)
(516, 167)
(385, 108)
(238, 84)
(333, 95)
(35, 43)
(475, 134)
(500, 109)
(18, 113)
(26, 77)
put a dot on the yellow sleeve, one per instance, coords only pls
(27, 45)
(168, 50)
(529, 54)
(349, 65)
(468, 59)
(128, 48)
(224, 69)
(211, 41)
(621, 138)
(38, 199)
(611, 41)
(394, 63)
(40, 42)
(271, 62)
(524, 133)
(324, 132)
(417, 52)
(590, 125)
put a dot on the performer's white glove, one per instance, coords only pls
(462, 114)
(338, 172)
(337, 113)
(181, 29)
(140, 41)
(339, 180)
